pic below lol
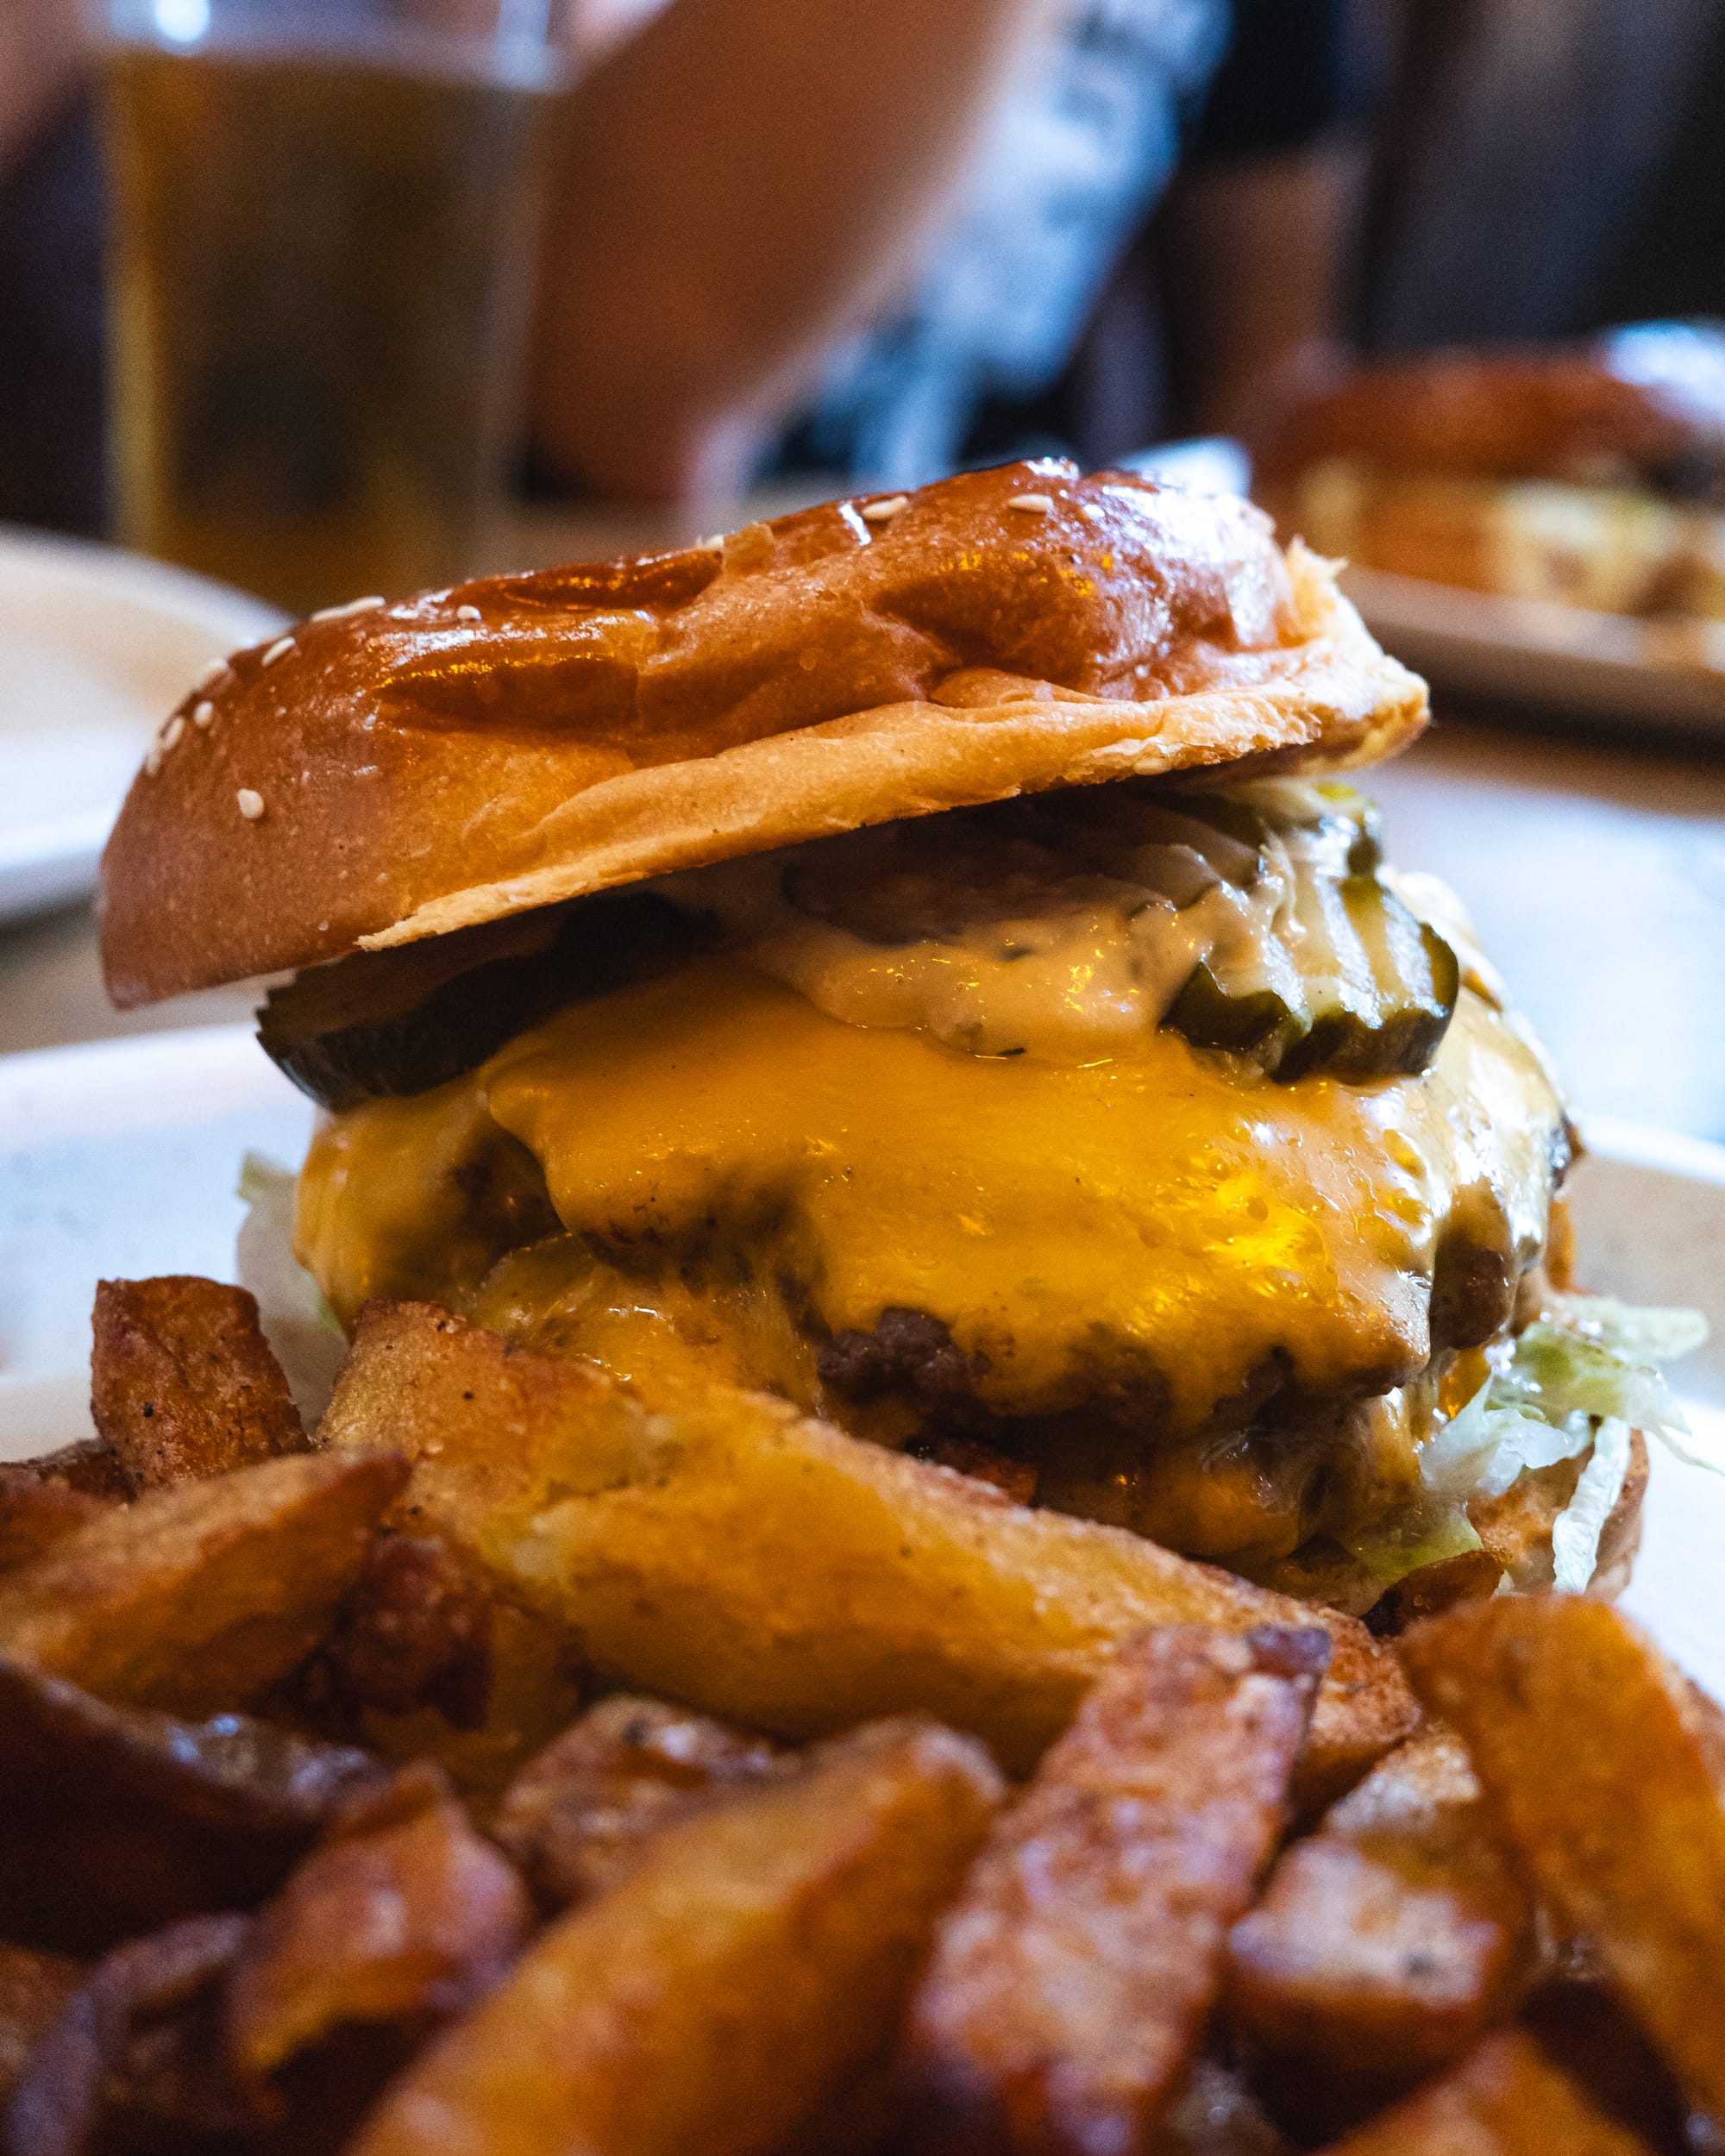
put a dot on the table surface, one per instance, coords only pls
(1594, 871)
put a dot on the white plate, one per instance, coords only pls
(1664, 675)
(95, 648)
(121, 1158)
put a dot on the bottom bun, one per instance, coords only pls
(1515, 1536)
(1515, 1530)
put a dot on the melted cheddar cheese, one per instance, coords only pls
(704, 1171)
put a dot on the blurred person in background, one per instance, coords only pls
(50, 271)
(876, 238)
(862, 236)
(1547, 167)
(867, 236)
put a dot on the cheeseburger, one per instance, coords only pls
(922, 958)
(1591, 473)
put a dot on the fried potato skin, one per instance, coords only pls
(537, 1686)
(1386, 1943)
(578, 1815)
(118, 1820)
(414, 1631)
(43, 1501)
(137, 2048)
(752, 1963)
(403, 1916)
(199, 1597)
(1506, 2100)
(34, 1990)
(33, 1516)
(182, 1383)
(89, 1466)
(777, 1573)
(1070, 1982)
(1604, 1769)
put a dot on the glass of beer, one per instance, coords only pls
(323, 220)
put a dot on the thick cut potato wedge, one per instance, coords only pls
(134, 2060)
(1386, 1943)
(1071, 1980)
(1217, 2115)
(1507, 2100)
(43, 1501)
(578, 1816)
(33, 1516)
(536, 1688)
(182, 1381)
(1606, 1772)
(1581, 2027)
(749, 1967)
(35, 1989)
(201, 1597)
(118, 1820)
(773, 1571)
(402, 1917)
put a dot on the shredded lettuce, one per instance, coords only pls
(1636, 1333)
(1555, 1372)
(1575, 1535)
(1579, 1380)
(298, 1323)
(1432, 1528)
(1485, 1448)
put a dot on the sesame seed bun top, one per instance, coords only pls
(389, 772)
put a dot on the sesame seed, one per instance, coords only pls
(216, 671)
(1040, 505)
(204, 714)
(280, 650)
(172, 732)
(883, 512)
(249, 802)
(715, 545)
(468, 613)
(1090, 509)
(354, 606)
(152, 761)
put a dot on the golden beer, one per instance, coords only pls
(320, 280)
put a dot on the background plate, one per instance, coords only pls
(121, 1157)
(95, 648)
(1663, 676)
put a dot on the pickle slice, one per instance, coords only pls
(400, 1022)
(1127, 835)
(1418, 975)
(1384, 1009)
(1361, 988)
(1238, 823)
(1259, 1021)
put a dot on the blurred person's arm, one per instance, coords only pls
(1257, 239)
(735, 187)
(41, 48)
(1256, 258)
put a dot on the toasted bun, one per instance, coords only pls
(1644, 406)
(416, 768)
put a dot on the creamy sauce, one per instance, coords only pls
(1061, 935)
(1071, 984)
